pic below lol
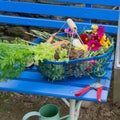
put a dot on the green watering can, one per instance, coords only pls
(46, 112)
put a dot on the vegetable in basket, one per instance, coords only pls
(79, 53)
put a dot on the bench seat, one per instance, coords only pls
(31, 81)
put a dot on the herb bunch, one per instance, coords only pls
(13, 58)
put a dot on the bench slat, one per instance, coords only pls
(48, 23)
(61, 91)
(57, 10)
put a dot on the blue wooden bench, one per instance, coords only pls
(30, 80)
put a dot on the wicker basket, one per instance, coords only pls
(82, 67)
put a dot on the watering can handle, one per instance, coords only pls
(71, 24)
(30, 114)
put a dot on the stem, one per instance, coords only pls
(29, 42)
(70, 46)
(15, 44)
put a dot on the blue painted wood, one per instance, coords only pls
(48, 23)
(57, 10)
(36, 8)
(88, 20)
(44, 89)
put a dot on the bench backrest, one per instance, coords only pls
(53, 13)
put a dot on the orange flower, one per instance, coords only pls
(102, 40)
(105, 41)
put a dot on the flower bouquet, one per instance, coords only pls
(77, 54)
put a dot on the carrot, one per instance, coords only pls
(56, 44)
(51, 38)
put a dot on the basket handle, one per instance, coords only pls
(71, 24)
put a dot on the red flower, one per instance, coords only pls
(93, 45)
(94, 36)
(100, 31)
(84, 38)
(93, 62)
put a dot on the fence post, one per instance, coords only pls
(116, 87)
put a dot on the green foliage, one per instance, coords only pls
(52, 71)
(43, 51)
(44, 35)
(13, 58)
(63, 55)
(46, 51)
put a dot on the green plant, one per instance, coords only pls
(16, 54)
(13, 58)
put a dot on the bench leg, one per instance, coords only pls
(74, 109)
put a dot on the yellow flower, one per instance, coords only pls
(105, 41)
(108, 42)
(95, 28)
